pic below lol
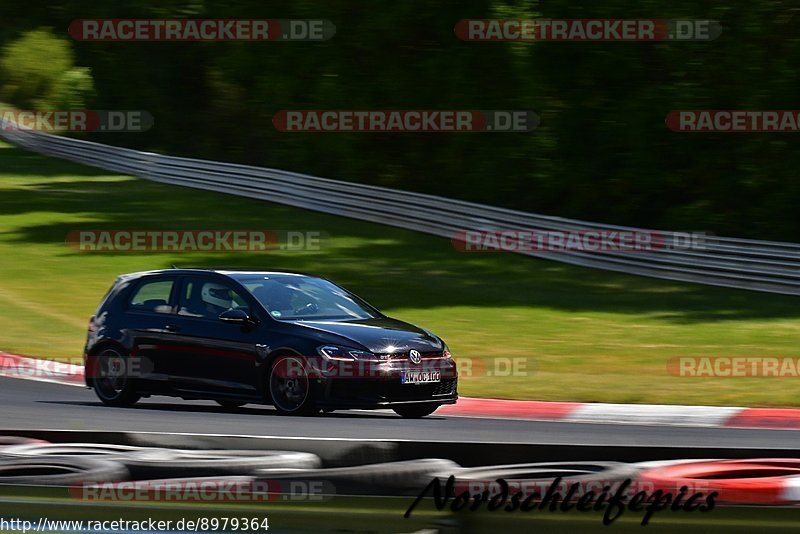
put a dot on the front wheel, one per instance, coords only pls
(415, 411)
(289, 387)
(113, 385)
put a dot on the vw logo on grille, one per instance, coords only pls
(415, 357)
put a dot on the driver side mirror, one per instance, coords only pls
(235, 316)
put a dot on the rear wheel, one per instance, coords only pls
(113, 384)
(289, 388)
(415, 411)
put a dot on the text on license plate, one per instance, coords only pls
(421, 377)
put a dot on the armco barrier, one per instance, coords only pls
(729, 262)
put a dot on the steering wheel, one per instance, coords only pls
(311, 307)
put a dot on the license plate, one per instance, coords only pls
(421, 377)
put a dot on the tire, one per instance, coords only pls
(230, 404)
(176, 463)
(100, 451)
(415, 411)
(290, 395)
(115, 388)
(653, 464)
(7, 442)
(577, 471)
(59, 470)
(762, 481)
(393, 478)
(155, 462)
(348, 453)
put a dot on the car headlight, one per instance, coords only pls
(332, 352)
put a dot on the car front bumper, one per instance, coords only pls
(381, 385)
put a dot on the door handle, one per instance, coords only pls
(172, 328)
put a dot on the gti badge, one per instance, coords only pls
(415, 357)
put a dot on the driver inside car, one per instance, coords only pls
(216, 299)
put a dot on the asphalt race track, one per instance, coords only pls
(30, 405)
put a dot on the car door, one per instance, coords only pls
(211, 355)
(149, 315)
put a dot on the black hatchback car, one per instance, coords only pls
(294, 341)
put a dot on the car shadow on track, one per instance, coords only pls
(207, 408)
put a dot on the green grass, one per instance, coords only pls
(591, 335)
(385, 514)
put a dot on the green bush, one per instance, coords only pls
(38, 72)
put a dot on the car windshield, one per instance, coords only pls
(297, 298)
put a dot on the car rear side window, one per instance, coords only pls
(152, 297)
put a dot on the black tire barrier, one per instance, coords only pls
(176, 463)
(539, 477)
(44, 449)
(577, 471)
(338, 454)
(333, 453)
(59, 470)
(772, 481)
(386, 478)
(153, 462)
(24, 461)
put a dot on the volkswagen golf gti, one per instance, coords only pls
(291, 340)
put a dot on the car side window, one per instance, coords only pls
(152, 296)
(207, 299)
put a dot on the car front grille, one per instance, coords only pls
(445, 387)
(403, 356)
(391, 390)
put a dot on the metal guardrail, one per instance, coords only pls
(729, 262)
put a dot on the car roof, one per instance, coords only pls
(231, 273)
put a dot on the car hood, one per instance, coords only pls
(379, 334)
